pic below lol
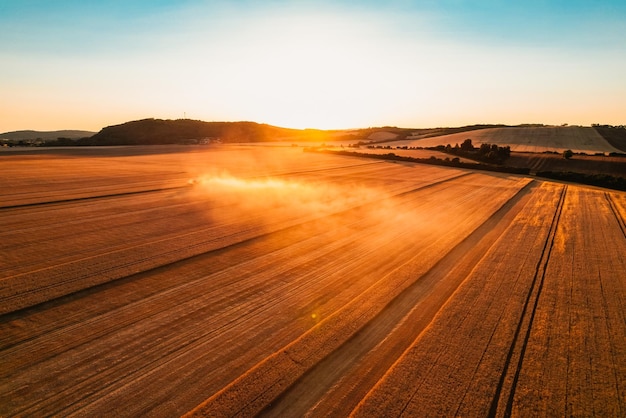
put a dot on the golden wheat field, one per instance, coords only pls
(239, 281)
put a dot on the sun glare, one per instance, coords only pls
(321, 70)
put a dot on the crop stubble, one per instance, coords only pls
(544, 330)
(163, 297)
(251, 393)
(574, 364)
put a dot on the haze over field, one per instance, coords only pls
(322, 64)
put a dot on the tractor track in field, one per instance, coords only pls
(90, 198)
(618, 216)
(385, 336)
(162, 189)
(125, 319)
(525, 322)
(29, 267)
(154, 260)
(257, 390)
(187, 340)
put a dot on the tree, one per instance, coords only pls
(467, 145)
(567, 154)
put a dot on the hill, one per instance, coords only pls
(615, 135)
(525, 139)
(187, 131)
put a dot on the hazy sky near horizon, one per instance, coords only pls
(76, 64)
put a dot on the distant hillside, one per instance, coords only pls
(181, 131)
(615, 135)
(44, 135)
(524, 139)
(374, 134)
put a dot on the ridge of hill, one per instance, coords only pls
(180, 131)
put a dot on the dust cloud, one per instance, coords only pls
(282, 200)
(268, 189)
(275, 195)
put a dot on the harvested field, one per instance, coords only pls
(545, 332)
(590, 164)
(524, 139)
(234, 281)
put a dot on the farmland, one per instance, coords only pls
(595, 164)
(238, 280)
(524, 139)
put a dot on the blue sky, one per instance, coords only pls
(342, 64)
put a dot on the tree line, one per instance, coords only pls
(486, 153)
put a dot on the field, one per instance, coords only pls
(239, 281)
(591, 164)
(524, 139)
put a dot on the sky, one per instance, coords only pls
(86, 64)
